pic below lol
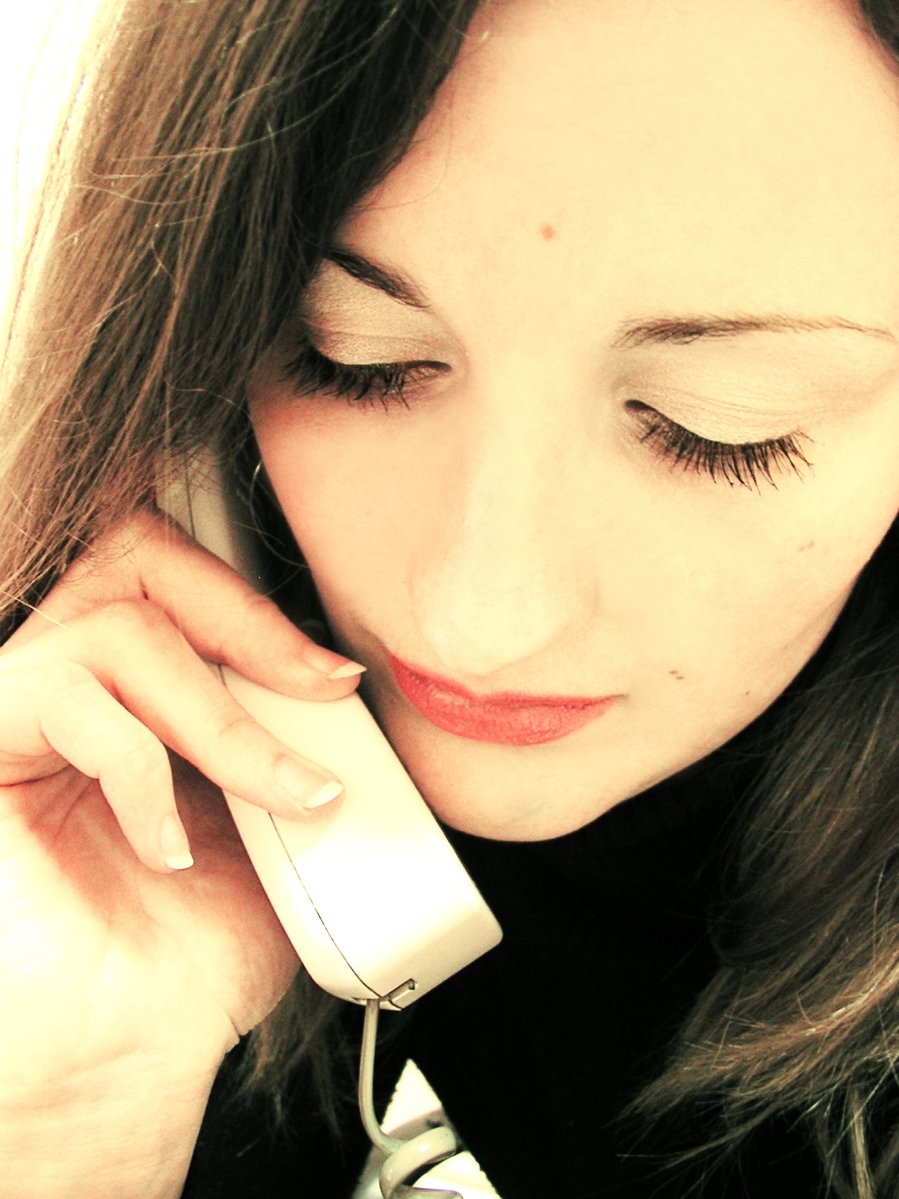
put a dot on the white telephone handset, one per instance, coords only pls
(369, 890)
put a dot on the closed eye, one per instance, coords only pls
(312, 373)
(742, 463)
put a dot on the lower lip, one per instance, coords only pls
(506, 719)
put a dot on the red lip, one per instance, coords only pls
(505, 718)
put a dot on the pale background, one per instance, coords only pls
(38, 50)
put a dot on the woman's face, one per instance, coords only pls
(641, 270)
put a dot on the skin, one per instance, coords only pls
(124, 975)
(588, 168)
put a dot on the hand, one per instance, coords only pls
(107, 954)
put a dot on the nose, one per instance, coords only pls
(504, 574)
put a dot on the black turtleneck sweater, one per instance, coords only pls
(535, 1049)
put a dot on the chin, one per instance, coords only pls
(511, 793)
(487, 816)
(502, 801)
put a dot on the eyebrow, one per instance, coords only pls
(655, 331)
(392, 282)
(682, 331)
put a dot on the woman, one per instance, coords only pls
(567, 337)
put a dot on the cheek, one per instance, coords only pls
(736, 591)
(845, 516)
(728, 583)
(346, 511)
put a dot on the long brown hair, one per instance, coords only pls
(215, 148)
(203, 169)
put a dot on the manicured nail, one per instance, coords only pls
(348, 671)
(323, 796)
(331, 665)
(308, 789)
(173, 843)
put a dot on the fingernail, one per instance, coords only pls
(348, 671)
(173, 843)
(331, 665)
(324, 795)
(309, 790)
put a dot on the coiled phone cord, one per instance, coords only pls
(405, 1160)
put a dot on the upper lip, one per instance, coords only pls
(509, 701)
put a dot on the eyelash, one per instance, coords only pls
(742, 464)
(310, 372)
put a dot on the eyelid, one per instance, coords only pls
(719, 417)
(358, 351)
(335, 295)
(354, 348)
(773, 385)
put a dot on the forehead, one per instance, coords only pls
(693, 152)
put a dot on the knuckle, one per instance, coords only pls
(138, 754)
(257, 604)
(255, 611)
(30, 690)
(132, 530)
(60, 677)
(135, 618)
(234, 726)
(144, 522)
(147, 532)
(109, 554)
(116, 553)
(240, 625)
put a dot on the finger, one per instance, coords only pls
(228, 621)
(67, 716)
(102, 740)
(146, 664)
(221, 615)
